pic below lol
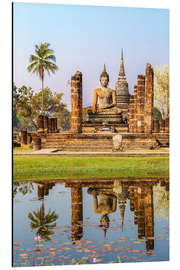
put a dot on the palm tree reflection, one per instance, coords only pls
(41, 222)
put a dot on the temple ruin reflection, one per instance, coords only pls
(105, 196)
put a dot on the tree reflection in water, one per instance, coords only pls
(41, 222)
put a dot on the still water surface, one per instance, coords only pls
(90, 221)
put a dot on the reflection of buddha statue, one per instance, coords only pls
(107, 96)
(107, 205)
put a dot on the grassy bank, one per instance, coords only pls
(55, 167)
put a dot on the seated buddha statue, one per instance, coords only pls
(106, 96)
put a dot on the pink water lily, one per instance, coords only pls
(37, 238)
(94, 260)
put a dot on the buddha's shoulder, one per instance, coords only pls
(97, 89)
(111, 90)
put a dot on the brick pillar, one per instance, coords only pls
(131, 198)
(131, 114)
(77, 213)
(40, 124)
(135, 108)
(156, 126)
(149, 219)
(167, 125)
(23, 136)
(76, 103)
(162, 125)
(140, 103)
(29, 138)
(53, 124)
(149, 100)
(135, 206)
(45, 124)
(50, 125)
(56, 129)
(141, 216)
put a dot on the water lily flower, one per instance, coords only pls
(37, 238)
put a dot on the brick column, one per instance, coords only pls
(23, 136)
(162, 125)
(50, 125)
(149, 100)
(149, 218)
(76, 103)
(167, 125)
(40, 124)
(131, 114)
(156, 126)
(29, 138)
(135, 108)
(77, 212)
(140, 103)
(141, 217)
(45, 124)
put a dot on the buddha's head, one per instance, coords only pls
(104, 78)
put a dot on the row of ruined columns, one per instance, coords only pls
(46, 124)
(141, 106)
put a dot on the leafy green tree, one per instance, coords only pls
(27, 104)
(42, 61)
(161, 89)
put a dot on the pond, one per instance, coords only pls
(90, 221)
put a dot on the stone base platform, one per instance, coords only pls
(102, 141)
(89, 127)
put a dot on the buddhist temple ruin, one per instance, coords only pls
(114, 111)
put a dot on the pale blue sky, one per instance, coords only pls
(86, 37)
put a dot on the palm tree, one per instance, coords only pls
(43, 60)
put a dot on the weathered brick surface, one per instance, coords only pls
(77, 212)
(149, 100)
(36, 143)
(135, 109)
(76, 103)
(45, 124)
(29, 138)
(131, 114)
(162, 125)
(156, 126)
(40, 124)
(23, 136)
(140, 103)
(167, 125)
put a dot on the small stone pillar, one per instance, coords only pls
(167, 125)
(45, 124)
(149, 100)
(76, 103)
(135, 108)
(53, 125)
(50, 125)
(131, 114)
(140, 103)
(156, 126)
(36, 143)
(23, 136)
(29, 138)
(162, 125)
(40, 124)
(77, 212)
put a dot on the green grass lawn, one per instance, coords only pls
(56, 167)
